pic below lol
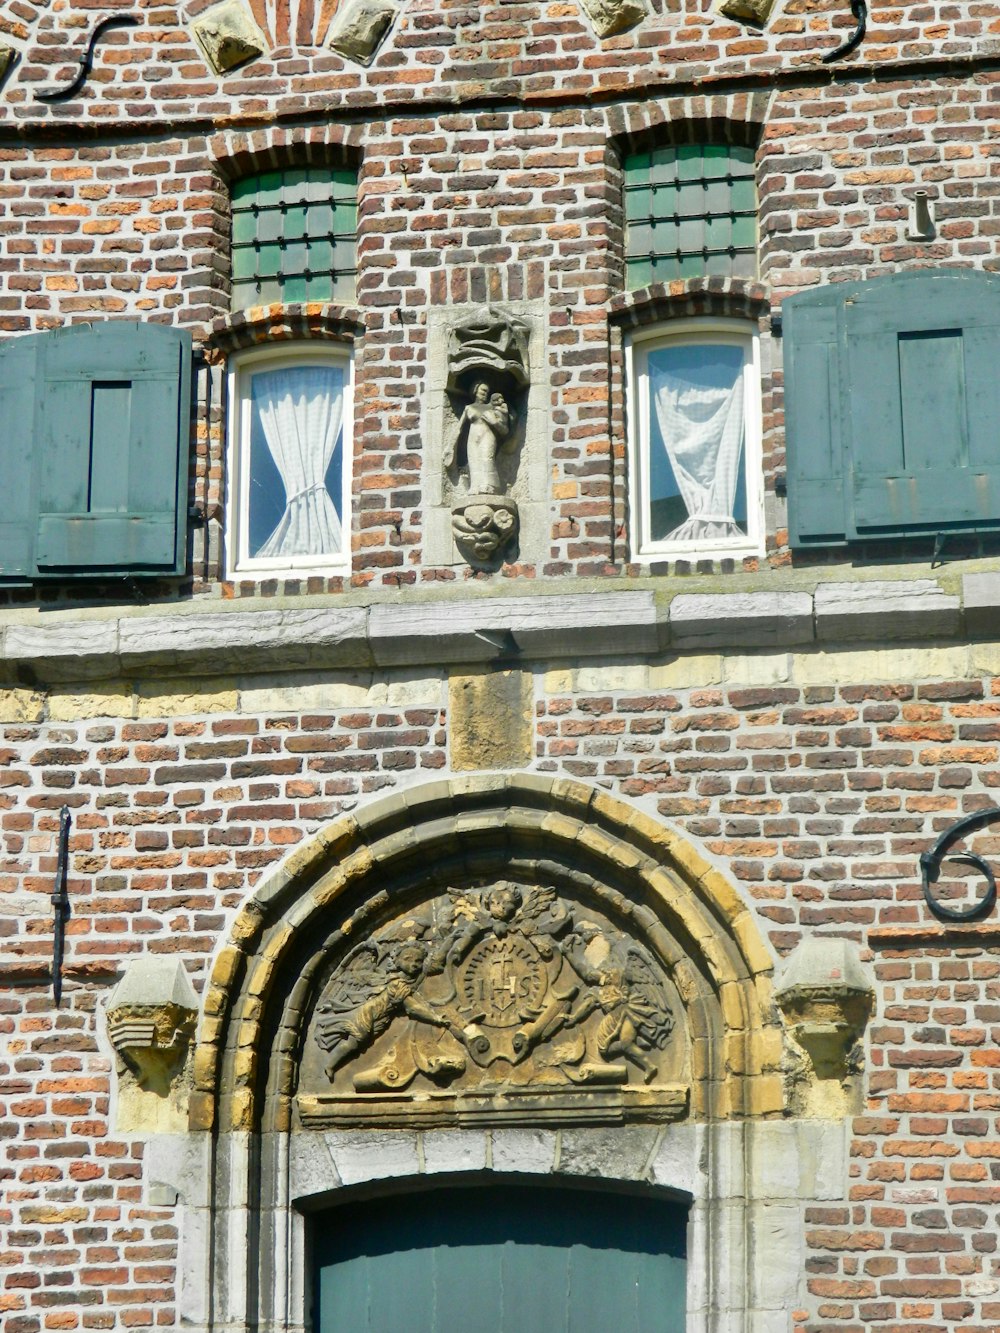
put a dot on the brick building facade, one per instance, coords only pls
(733, 743)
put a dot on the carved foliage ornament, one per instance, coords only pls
(490, 999)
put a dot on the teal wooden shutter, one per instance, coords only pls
(910, 444)
(18, 371)
(924, 409)
(111, 445)
(814, 447)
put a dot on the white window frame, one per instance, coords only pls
(242, 368)
(733, 332)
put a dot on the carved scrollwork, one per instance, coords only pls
(503, 990)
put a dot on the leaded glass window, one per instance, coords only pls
(690, 211)
(294, 236)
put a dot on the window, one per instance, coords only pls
(892, 401)
(690, 210)
(294, 236)
(290, 457)
(695, 440)
(97, 481)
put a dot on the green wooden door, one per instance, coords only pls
(501, 1259)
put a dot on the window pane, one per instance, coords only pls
(294, 236)
(697, 492)
(678, 210)
(295, 468)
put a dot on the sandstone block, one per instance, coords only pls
(360, 28)
(229, 36)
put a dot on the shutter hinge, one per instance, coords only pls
(776, 323)
(781, 484)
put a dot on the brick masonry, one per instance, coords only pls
(815, 799)
(488, 143)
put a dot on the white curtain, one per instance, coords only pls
(300, 411)
(699, 409)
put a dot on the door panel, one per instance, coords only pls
(501, 1259)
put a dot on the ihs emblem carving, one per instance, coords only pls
(494, 993)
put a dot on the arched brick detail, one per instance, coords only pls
(264, 982)
(237, 153)
(270, 323)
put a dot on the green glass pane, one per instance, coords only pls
(663, 166)
(718, 197)
(343, 287)
(293, 287)
(742, 157)
(343, 257)
(689, 163)
(638, 203)
(718, 233)
(745, 233)
(319, 287)
(744, 196)
(294, 181)
(269, 263)
(691, 235)
(295, 223)
(640, 238)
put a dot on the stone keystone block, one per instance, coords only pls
(360, 27)
(610, 17)
(229, 36)
(756, 12)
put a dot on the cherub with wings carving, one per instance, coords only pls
(536, 913)
(637, 1015)
(377, 983)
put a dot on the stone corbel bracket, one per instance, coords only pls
(229, 35)
(151, 1019)
(611, 17)
(826, 998)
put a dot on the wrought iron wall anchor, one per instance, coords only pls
(930, 866)
(860, 11)
(87, 59)
(60, 905)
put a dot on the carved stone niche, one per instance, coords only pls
(484, 441)
(826, 997)
(151, 1016)
(507, 1002)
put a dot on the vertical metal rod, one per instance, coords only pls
(60, 905)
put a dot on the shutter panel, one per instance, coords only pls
(814, 445)
(924, 419)
(895, 378)
(18, 368)
(112, 443)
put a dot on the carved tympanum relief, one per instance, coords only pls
(506, 1000)
(488, 373)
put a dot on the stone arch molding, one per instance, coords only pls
(628, 969)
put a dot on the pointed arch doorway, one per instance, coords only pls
(501, 1258)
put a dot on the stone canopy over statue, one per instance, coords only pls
(488, 999)
(488, 374)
